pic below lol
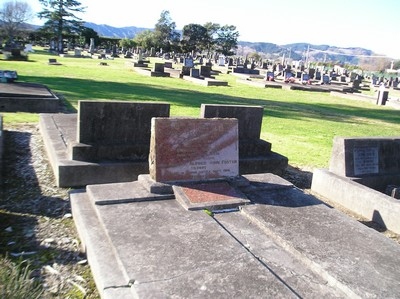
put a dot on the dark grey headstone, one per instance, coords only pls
(195, 73)
(360, 157)
(158, 68)
(250, 120)
(205, 71)
(115, 130)
(168, 64)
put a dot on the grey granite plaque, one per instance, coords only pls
(366, 160)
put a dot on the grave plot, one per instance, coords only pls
(157, 71)
(107, 141)
(364, 176)
(201, 76)
(28, 97)
(255, 155)
(151, 239)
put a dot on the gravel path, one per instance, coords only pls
(40, 227)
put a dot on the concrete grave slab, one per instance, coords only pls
(28, 97)
(350, 256)
(286, 244)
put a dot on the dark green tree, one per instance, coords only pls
(61, 18)
(194, 38)
(166, 37)
(145, 39)
(212, 29)
(88, 33)
(226, 41)
(127, 43)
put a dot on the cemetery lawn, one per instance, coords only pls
(300, 125)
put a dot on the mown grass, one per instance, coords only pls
(300, 125)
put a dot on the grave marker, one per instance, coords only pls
(188, 149)
(115, 130)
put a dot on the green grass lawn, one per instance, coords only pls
(300, 125)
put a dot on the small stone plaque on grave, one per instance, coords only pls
(366, 160)
(189, 149)
(212, 195)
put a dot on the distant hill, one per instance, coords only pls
(109, 31)
(295, 51)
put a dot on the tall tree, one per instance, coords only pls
(88, 33)
(227, 39)
(194, 37)
(166, 37)
(145, 39)
(61, 18)
(13, 15)
(212, 29)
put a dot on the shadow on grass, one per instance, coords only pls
(87, 89)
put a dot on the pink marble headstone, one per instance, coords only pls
(190, 149)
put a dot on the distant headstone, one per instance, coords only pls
(311, 72)
(195, 73)
(77, 52)
(158, 67)
(91, 47)
(288, 75)
(185, 71)
(325, 79)
(270, 76)
(189, 149)
(28, 48)
(205, 71)
(188, 62)
(383, 96)
(168, 64)
(305, 77)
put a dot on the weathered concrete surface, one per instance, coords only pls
(58, 131)
(371, 204)
(28, 97)
(355, 259)
(286, 245)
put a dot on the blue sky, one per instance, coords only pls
(374, 25)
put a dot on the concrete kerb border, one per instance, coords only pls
(71, 173)
(358, 198)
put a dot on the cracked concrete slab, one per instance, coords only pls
(356, 259)
(284, 245)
